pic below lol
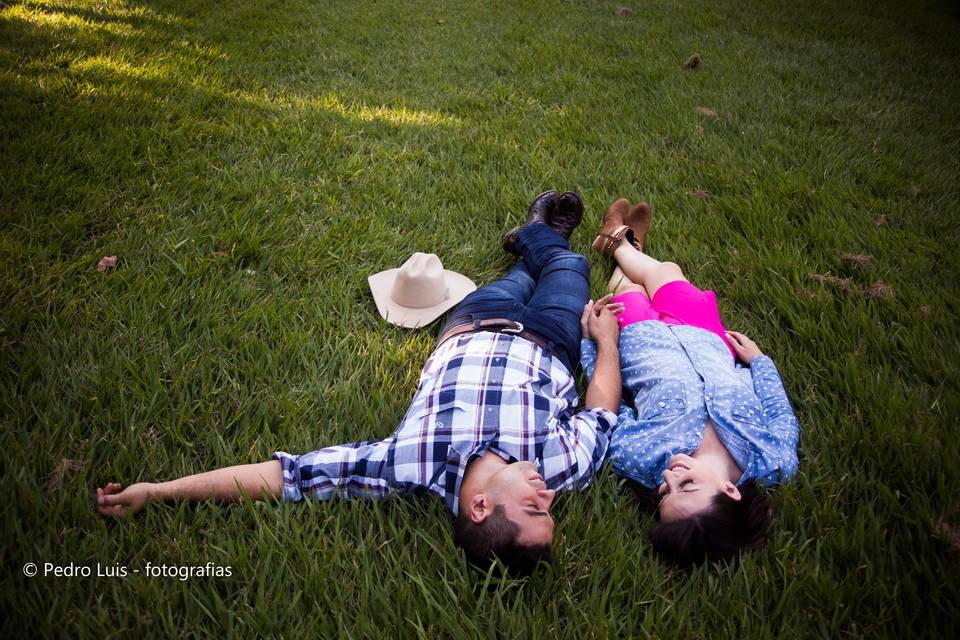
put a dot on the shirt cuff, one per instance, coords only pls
(763, 365)
(604, 416)
(762, 359)
(291, 476)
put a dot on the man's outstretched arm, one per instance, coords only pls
(599, 324)
(260, 481)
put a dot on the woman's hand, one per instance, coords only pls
(746, 348)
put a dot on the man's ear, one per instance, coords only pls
(731, 490)
(479, 508)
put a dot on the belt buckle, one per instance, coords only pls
(517, 329)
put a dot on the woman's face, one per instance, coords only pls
(689, 487)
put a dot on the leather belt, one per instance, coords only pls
(496, 325)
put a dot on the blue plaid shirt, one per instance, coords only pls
(479, 392)
(676, 378)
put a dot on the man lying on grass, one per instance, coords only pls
(492, 427)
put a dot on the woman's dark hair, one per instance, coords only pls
(722, 531)
(496, 538)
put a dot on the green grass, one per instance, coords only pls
(251, 163)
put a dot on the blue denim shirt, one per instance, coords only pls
(675, 378)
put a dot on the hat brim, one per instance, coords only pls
(458, 286)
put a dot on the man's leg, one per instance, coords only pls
(562, 289)
(503, 298)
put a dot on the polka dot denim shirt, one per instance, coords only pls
(675, 377)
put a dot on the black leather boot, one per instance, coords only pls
(539, 211)
(567, 214)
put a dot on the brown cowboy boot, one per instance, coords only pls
(638, 219)
(614, 230)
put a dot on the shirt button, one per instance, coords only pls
(706, 396)
(663, 404)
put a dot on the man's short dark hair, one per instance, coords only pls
(496, 538)
(724, 530)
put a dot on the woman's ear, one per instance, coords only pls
(731, 490)
(478, 508)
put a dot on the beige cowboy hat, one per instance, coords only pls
(419, 292)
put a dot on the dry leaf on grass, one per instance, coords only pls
(883, 220)
(857, 261)
(948, 533)
(844, 284)
(710, 113)
(106, 262)
(700, 193)
(878, 291)
(624, 12)
(67, 465)
(692, 62)
(915, 191)
(924, 311)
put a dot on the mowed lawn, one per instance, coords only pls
(250, 163)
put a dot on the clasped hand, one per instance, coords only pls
(598, 322)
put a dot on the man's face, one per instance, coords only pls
(689, 487)
(520, 488)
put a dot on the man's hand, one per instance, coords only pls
(746, 348)
(260, 481)
(112, 502)
(601, 326)
(598, 322)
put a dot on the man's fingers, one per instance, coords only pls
(110, 499)
(104, 510)
(110, 488)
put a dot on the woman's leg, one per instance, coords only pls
(620, 283)
(648, 272)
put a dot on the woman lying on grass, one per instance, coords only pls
(697, 431)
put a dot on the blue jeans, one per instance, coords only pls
(545, 291)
